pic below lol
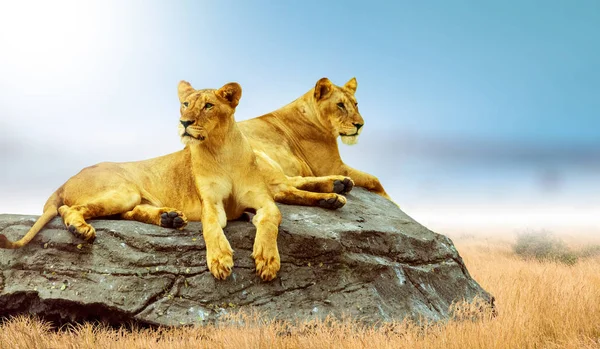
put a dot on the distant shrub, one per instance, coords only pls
(544, 246)
(590, 251)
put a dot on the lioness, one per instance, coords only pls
(300, 139)
(214, 178)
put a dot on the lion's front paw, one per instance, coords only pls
(173, 219)
(343, 186)
(267, 261)
(83, 231)
(333, 203)
(220, 260)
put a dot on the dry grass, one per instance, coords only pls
(540, 305)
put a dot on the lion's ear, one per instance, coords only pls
(351, 85)
(184, 89)
(231, 92)
(323, 88)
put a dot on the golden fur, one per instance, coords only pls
(213, 179)
(300, 139)
(323, 191)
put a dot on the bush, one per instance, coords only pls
(544, 246)
(590, 251)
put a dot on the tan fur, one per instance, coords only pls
(300, 139)
(213, 179)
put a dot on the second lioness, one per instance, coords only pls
(300, 139)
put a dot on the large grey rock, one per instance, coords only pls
(367, 259)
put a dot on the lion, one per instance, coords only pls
(215, 178)
(300, 140)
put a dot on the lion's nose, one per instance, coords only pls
(358, 126)
(186, 123)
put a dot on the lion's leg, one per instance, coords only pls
(284, 189)
(292, 196)
(162, 216)
(266, 221)
(323, 184)
(106, 204)
(265, 251)
(219, 255)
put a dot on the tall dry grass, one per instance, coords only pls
(540, 305)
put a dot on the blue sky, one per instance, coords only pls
(465, 102)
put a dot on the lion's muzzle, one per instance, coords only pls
(186, 129)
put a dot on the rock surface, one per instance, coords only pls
(367, 259)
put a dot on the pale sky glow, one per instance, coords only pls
(51, 45)
(478, 114)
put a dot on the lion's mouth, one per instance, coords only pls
(186, 134)
(349, 139)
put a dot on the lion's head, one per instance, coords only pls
(205, 113)
(337, 107)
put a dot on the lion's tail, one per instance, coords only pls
(50, 211)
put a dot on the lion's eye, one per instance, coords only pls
(208, 106)
(186, 104)
(341, 105)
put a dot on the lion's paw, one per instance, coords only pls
(173, 219)
(343, 186)
(267, 262)
(333, 203)
(83, 231)
(220, 261)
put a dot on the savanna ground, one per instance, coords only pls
(541, 303)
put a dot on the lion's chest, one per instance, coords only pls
(221, 190)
